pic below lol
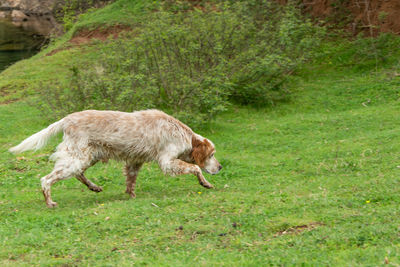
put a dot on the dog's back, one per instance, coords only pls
(120, 134)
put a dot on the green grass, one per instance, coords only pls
(325, 160)
(314, 181)
(124, 12)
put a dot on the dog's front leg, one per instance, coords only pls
(92, 186)
(177, 167)
(131, 172)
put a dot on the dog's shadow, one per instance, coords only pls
(77, 197)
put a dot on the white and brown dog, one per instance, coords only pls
(135, 138)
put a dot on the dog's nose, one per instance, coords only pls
(220, 167)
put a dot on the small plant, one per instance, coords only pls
(382, 16)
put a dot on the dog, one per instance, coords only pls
(135, 138)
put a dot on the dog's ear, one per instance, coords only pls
(200, 151)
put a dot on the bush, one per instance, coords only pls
(191, 63)
(363, 54)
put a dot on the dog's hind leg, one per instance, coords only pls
(47, 182)
(131, 172)
(92, 186)
(64, 168)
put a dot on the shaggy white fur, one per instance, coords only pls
(135, 138)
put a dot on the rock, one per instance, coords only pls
(17, 15)
(34, 16)
(32, 6)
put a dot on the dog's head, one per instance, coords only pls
(203, 154)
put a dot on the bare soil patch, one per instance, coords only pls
(299, 229)
(4, 96)
(88, 36)
(369, 16)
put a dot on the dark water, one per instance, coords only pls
(16, 44)
(7, 58)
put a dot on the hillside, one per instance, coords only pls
(312, 180)
(53, 62)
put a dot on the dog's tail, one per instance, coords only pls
(38, 140)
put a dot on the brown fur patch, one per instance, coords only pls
(201, 150)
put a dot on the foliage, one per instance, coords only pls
(362, 53)
(376, 51)
(191, 63)
(282, 41)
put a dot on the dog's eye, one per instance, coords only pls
(212, 155)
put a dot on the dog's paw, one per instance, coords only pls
(130, 193)
(207, 185)
(96, 189)
(51, 204)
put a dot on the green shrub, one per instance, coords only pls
(364, 54)
(191, 63)
(375, 51)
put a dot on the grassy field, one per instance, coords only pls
(313, 181)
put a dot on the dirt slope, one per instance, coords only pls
(369, 16)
